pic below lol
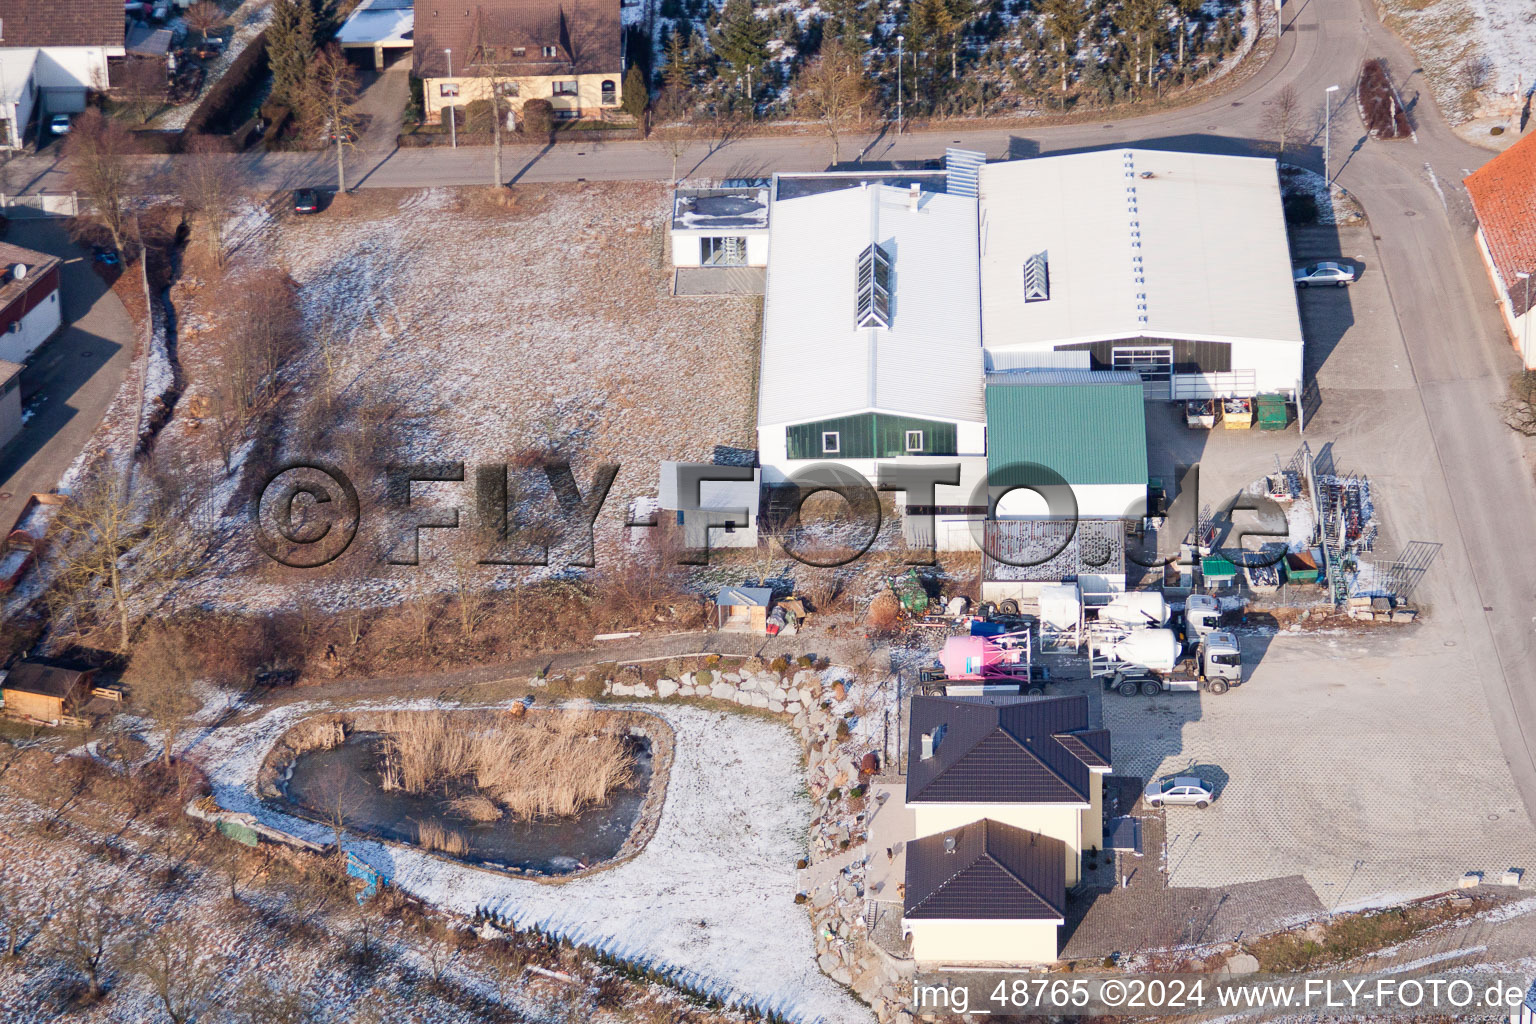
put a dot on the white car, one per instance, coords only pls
(59, 124)
(1178, 789)
(1336, 274)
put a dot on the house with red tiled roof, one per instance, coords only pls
(568, 52)
(1503, 195)
(52, 53)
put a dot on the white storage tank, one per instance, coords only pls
(1136, 608)
(1060, 605)
(1156, 649)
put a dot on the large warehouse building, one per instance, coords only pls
(1174, 265)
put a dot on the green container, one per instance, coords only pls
(1272, 412)
(1217, 569)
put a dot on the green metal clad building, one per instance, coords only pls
(1087, 428)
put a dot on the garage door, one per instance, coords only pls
(1153, 362)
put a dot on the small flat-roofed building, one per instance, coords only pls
(30, 308)
(720, 227)
(386, 28)
(723, 516)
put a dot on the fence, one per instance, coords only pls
(40, 204)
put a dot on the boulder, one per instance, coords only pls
(776, 706)
(1241, 963)
(793, 707)
(666, 687)
(828, 963)
(623, 690)
(807, 696)
(841, 976)
(732, 677)
(759, 700)
(644, 690)
(685, 691)
(687, 679)
(723, 691)
(744, 698)
(779, 694)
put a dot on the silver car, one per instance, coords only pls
(1178, 789)
(1336, 274)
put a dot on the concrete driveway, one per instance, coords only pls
(69, 383)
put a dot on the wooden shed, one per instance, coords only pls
(743, 608)
(46, 691)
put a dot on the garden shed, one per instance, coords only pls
(744, 609)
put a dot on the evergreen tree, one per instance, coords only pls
(741, 40)
(678, 72)
(290, 49)
(637, 96)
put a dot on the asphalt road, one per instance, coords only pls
(69, 383)
(1477, 493)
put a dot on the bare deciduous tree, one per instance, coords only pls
(84, 934)
(160, 676)
(203, 17)
(834, 90)
(271, 1000)
(184, 980)
(1283, 120)
(674, 129)
(109, 550)
(489, 64)
(96, 157)
(331, 104)
(18, 915)
(209, 184)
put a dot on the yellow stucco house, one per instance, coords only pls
(1006, 794)
(568, 52)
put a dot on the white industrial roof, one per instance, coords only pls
(1138, 243)
(390, 22)
(816, 363)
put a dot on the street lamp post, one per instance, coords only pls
(1525, 330)
(1327, 136)
(899, 41)
(453, 125)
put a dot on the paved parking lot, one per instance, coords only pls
(1365, 761)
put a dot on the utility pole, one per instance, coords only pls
(453, 119)
(1327, 136)
(899, 41)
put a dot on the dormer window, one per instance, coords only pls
(1037, 278)
(550, 51)
(874, 288)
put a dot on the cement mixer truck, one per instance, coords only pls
(1152, 661)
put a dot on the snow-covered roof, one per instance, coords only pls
(706, 209)
(817, 363)
(1135, 243)
(379, 21)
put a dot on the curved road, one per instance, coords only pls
(1479, 499)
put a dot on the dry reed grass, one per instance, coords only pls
(552, 764)
(474, 808)
(432, 836)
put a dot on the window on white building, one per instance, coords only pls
(829, 442)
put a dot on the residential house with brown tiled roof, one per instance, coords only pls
(569, 52)
(1503, 195)
(1005, 794)
(52, 53)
